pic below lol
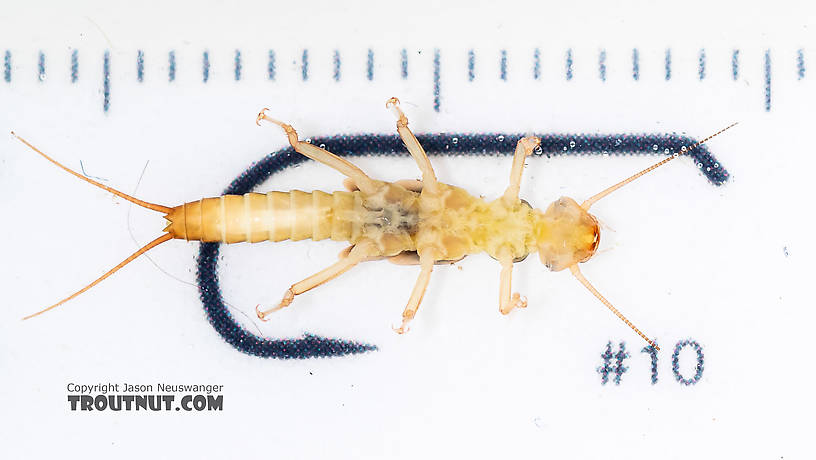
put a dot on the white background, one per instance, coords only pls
(726, 266)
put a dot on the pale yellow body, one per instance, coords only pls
(452, 223)
(416, 223)
(411, 222)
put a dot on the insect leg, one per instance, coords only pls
(524, 148)
(358, 253)
(507, 302)
(414, 147)
(361, 180)
(426, 263)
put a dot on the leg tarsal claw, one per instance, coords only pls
(261, 314)
(393, 104)
(516, 301)
(519, 301)
(285, 302)
(261, 116)
(403, 327)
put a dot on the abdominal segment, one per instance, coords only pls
(297, 215)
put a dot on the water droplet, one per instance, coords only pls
(41, 77)
(572, 144)
(322, 146)
(655, 147)
(308, 141)
(538, 150)
(716, 165)
(455, 140)
(708, 169)
(565, 148)
(500, 138)
(700, 165)
(666, 151)
(683, 149)
(605, 154)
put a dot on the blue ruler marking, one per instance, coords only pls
(471, 65)
(74, 66)
(237, 65)
(205, 67)
(436, 77)
(369, 72)
(404, 64)
(7, 66)
(800, 64)
(370, 65)
(735, 65)
(140, 66)
(503, 65)
(41, 66)
(767, 80)
(336, 65)
(171, 70)
(304, 65)
(536, 64)
(270, 67)
(106, 88)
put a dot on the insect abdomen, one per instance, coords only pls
(273, 216)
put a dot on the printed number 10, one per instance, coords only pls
(617, 369)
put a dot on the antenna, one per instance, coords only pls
(588, 203)
(578, 275)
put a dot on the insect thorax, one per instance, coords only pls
(457, 224)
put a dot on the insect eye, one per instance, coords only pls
(597, 240)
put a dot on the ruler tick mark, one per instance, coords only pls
(436, 78)
(41, 66)
(336, 65)
(74, 66)
(237, 65)
(106, 83)
(503, 65)
(370, 65)
(7, 66)
(471, 65)
(205, 66)
(304, 65)
(735, 65)
(171, 71)
(536, 64)
(270, 67)
(768, 80)
(140, 66)
(404, 64)
(800, 64)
